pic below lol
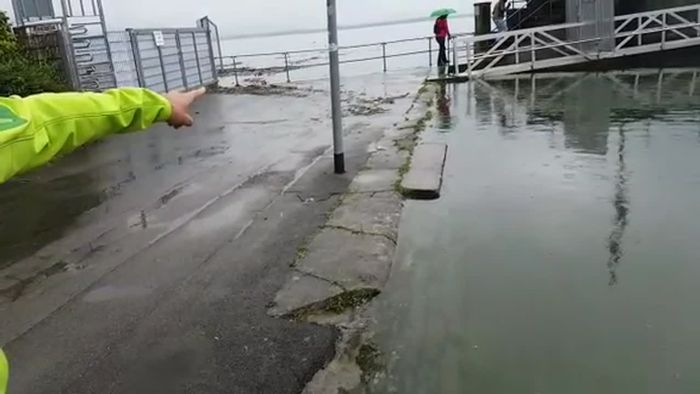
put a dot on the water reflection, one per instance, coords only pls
(621, 204)
(562, 256)
(588, 106)
(443, 104)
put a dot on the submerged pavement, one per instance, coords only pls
(562, 256)
(145, 263)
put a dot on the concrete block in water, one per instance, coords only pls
(424, 179)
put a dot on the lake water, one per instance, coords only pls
(563, 255)
(352, 37)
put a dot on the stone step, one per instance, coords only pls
(424, 179)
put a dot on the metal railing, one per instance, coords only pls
(567, 44)
(289, 61)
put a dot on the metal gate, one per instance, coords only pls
(88, 57)
(172, 59)
(599, 16)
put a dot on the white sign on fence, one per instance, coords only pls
(158, 38)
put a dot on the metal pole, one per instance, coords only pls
(137, 57)
(19, 19)
(639, 34)
(454, 57)
(218, 44)
(103, 24)
(430, 51)
(235, 71)
(469, 60)
(533, 54)
(70, 7)
(183, 71)
(162, 66)
(384, 55)
(68, 37)
(286, 66)
(211, 49)
(338, 153)
(196, 58)
(663, 31)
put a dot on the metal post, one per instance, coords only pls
(338, 152)
(430, 51)
(104, 32)
(454, 58)
(196, 58)
(162, 65)
(211, 48)
(384, 55)
(482, 24)
(82, 8)
(639, 33)
(286, 66)
(218, 44)
(235, 70)
(517, 49)
(17, 8)
(663, 31)
(469, 60)
(532, 50)
(133, 38)
(183, 72)
(68, 37)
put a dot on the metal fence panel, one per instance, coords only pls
(125, 71)
(171, 59)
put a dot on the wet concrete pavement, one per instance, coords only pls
(562, 256)
(144, 263)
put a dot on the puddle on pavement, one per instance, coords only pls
(562, 257)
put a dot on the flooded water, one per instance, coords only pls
(562, 256)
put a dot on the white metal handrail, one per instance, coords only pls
(566, 44)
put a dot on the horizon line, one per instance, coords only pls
(356, 26)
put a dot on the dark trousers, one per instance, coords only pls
(442, 57)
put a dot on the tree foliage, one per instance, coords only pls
(19, 74)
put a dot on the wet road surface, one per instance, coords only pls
(562, 257)
(144, 263)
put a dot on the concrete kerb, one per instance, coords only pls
(347, 263)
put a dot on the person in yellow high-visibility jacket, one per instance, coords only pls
(36, 129)
(4, 373)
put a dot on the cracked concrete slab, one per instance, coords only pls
(353, 260)
(302, 290)
(389, 158)
(374, 181)
(378, 214)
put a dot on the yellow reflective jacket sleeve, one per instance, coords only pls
(36, 129)
(4, 373)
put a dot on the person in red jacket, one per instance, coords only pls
(442, 32)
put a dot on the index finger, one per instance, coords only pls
(196, 94)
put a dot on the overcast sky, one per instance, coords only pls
(250, 16)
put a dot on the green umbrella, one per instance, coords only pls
(443, 12)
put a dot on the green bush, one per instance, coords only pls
(20, 75)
